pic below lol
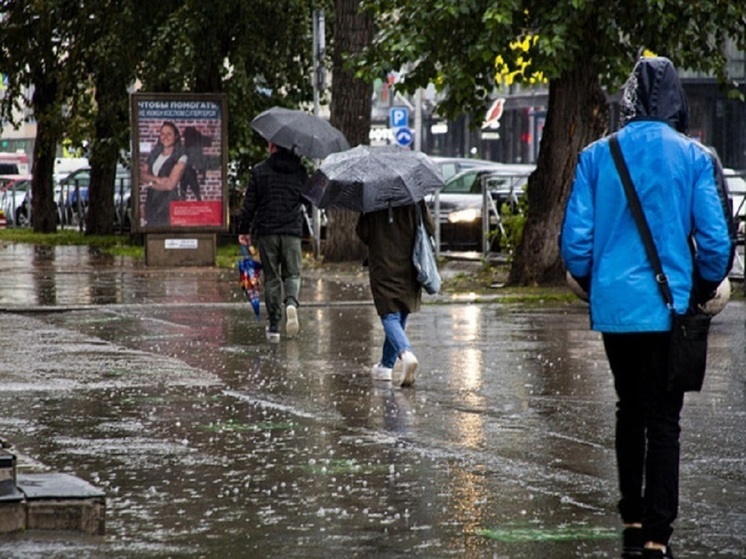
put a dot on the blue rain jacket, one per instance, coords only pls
(676, 182)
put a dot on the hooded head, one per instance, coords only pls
(653, 90)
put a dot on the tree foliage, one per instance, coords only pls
(34, 49)
(455, 44)
(108, 56)
(232, 47)
(461, 46)
(81, 59)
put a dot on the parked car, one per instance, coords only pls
(9, 169)
(74, 187)
(14, 163)
(459, 203)
(14, 190)
(737, 188)
(450, 166)
(15, 199)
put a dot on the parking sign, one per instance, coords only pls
(398, 117)
(403, 137)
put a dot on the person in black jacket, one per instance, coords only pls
(272, 217)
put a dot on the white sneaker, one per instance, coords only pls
(291, 321)
(272, 337)
(379, 372)
(409, 367)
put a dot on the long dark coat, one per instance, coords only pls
(389, 235)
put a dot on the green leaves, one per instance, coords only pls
(455, 43)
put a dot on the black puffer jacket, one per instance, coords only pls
(273, 201)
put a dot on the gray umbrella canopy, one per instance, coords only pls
(301, 132)
(366, 179)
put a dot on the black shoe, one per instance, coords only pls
(632, 543)
(657, 553)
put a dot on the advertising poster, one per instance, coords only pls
(179, 162)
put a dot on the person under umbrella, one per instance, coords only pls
(387, 185)
(389, 235)
(272, 216)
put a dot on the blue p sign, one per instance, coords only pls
(398, 117)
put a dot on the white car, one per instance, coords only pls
(451, 166)
(14, 191)
(737, 188)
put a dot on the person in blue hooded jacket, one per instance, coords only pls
(680, 187)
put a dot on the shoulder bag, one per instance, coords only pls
(687, 353)
(423, 257)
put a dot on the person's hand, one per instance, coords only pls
(715, 300)
(245, 240)
(580, 286)
(704, 290)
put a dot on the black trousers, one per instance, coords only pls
(647, 432)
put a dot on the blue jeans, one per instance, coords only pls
(396, 339)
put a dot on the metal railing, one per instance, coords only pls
(74, 213)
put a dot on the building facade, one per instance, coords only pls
(716, 120)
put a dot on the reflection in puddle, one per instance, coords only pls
(209, 442)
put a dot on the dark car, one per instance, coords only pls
(459, 204)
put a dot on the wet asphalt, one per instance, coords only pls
(158, 386)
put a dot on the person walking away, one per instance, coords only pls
(272, 217)
(676, 181)
(162, 172)
(389, 235)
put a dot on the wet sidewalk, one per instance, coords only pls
(158, 387)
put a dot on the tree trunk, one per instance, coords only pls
(43, 211)
(110, 119)
(576, 116)
(100, 216)
(350, 112)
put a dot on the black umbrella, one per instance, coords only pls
(299, 131)
(366, 179)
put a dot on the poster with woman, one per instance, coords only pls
(179, 161)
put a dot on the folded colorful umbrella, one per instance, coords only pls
(249, 270)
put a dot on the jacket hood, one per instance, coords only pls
(653, 91)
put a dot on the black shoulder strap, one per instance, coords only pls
(642, 224)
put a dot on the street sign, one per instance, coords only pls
(398, 117)
(403, 137)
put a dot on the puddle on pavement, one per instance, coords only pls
(81, 275)
(209, 442)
